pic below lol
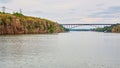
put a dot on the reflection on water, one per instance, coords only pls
(65, 50)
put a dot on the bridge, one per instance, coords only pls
(71, 26)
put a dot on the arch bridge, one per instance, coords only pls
(71, 26)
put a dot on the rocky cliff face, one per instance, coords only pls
(116, 29)
(12, 24)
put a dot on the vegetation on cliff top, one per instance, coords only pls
(17, 23)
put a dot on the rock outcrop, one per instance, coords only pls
(116, 28)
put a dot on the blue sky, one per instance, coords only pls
(68, 11)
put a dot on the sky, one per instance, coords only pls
(68, 11)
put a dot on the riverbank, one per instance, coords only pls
(113, 28)
(17, 23)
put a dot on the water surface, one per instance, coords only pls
(64, 50)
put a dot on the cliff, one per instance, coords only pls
(19, 24)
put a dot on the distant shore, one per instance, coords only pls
(113, 28)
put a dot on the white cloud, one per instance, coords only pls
(64, 11)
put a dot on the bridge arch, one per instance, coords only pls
(71, 26)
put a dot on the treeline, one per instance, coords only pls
(112, 28)
(17, 23)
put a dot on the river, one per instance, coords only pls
(63, 50)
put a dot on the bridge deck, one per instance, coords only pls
(87, 24)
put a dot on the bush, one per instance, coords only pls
(18, 14)
(51, 30)
(37, 25)
(3, 22)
